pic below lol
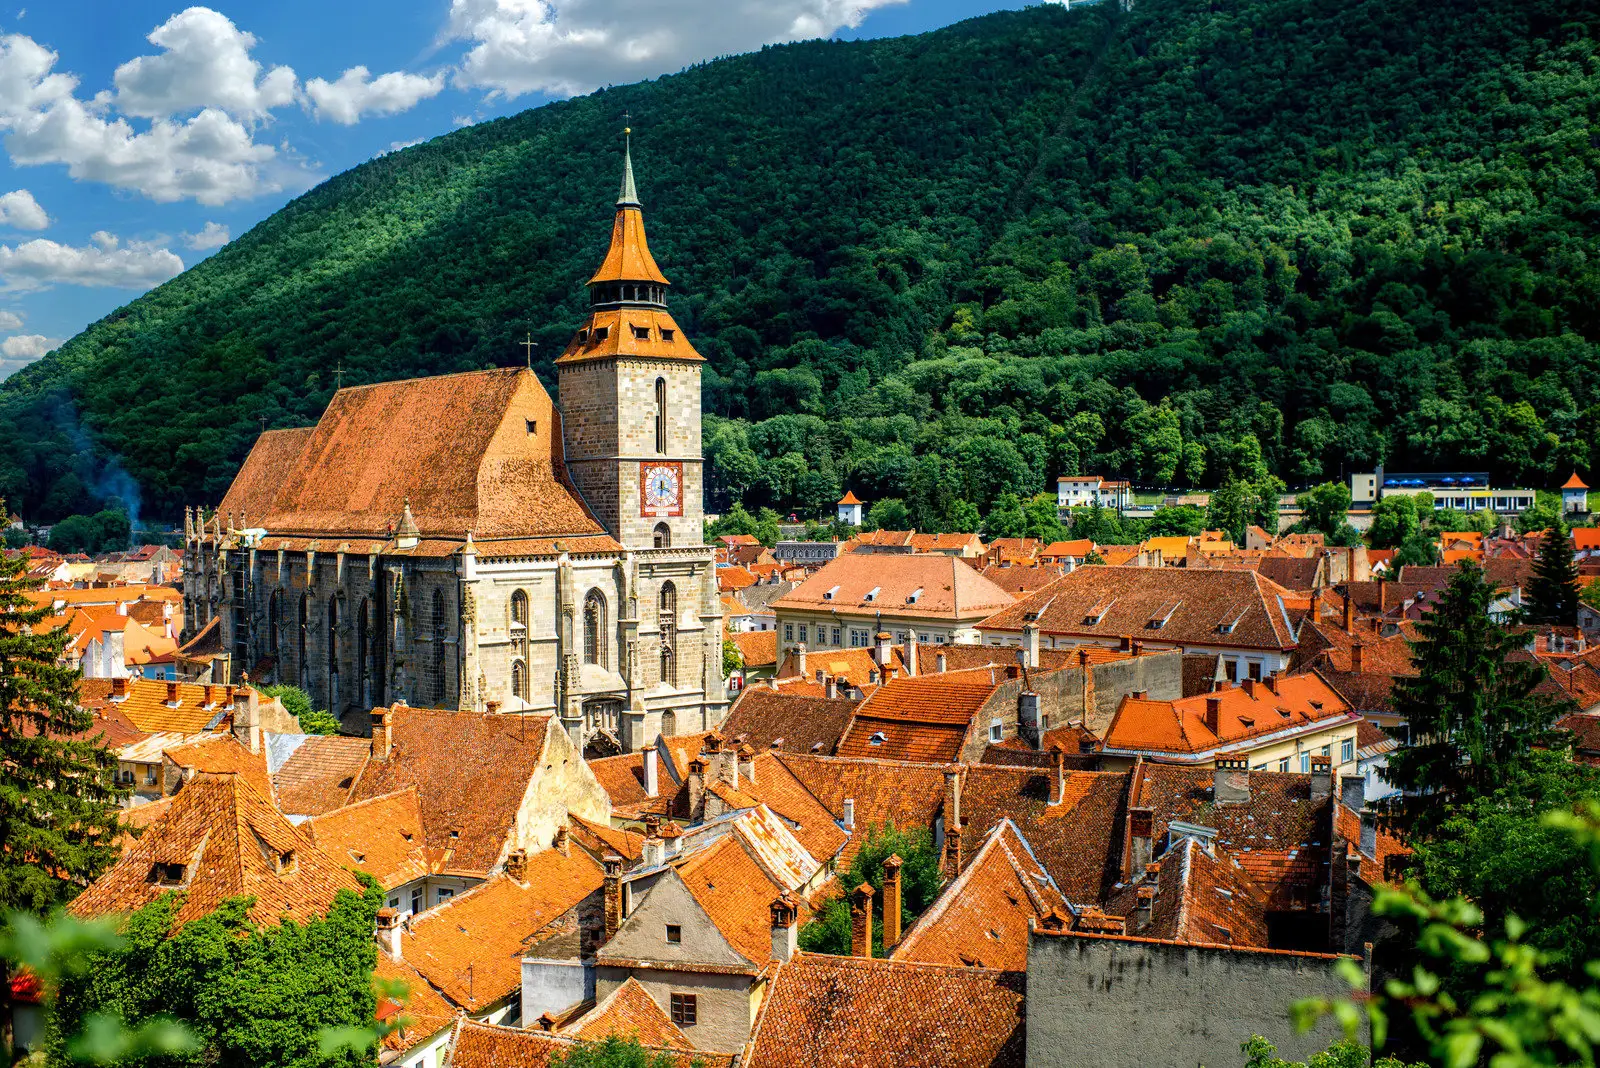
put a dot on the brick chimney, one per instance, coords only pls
(1230, 781)
(939, 662)
(785, 909)
(1321, 777)
(1141, 838)
(830, 687)
(389, 931)
(800, 659)
(380, 734)
(1248, 685)
(562, 841)
(247, 718)
(1030, 645)
(697, 787)
(1315, 615)
(891, 902)
(119, 688)
(1355, 657)
(1213, 714)
(1145, 902)
(517, 865)
(861, 921)
(883, 653)
(1349, 607)
(747, 763)
(848, 814)
(211, 696)
(172, 693)
(1058, 774)
(612, 889)
(910, 654)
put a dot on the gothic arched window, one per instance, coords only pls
(440, 631)
(667, 606)
(663, 536)
(274, 609)
(669, 723)
(519, 622)
(519, 680)
(594, 628)
(364, 652)
(304, 622)
(332, 686)
(661, 415)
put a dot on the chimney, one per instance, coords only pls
(1383, 597)
(885, 650)
(1271, 683)
(861, 921)
(491, 707)
(612, 888)
(1321, 777)
(211, 696)
(728, 766)
(891, 902)
(785, 909)
(1248, 685)
(380, 734)
(1141, 838)
(1353, 792)
(1213, 716)
(1146, 899)
(697, 787)
(172, 693)
(517, 865)
(671, 837)
(119, 688)
(910, 654)
(747, 763)
(654, 853)
(1058, 773)
(652, 772)
(1030, 644)
(1028, 719)
(389, 931)
(1136, 647)
(1355, 657)
(800, 659)
(1230, 781)
(247, 718)
(562, 841)
(1316, 605)
(1349, 606)
(830, 687)
(849, 815)
(939, 662)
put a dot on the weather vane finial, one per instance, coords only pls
(629, 195)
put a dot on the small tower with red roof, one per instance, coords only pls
(1574, 496)
(850, 509)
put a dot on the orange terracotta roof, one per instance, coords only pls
(218, 839)
(272, 458)
(1385, 845)
(644, 333)
(768, 719)
(601, 838)
(981, 918)
(471, 770)
(757, 648)
(1201, 606)
(1078, 547)
(850, 1012)
(495, 924)
(735, 891)
(884, 792)
(146, 708)
(911, 585)
(320, 773)
(628, 258)
(456, 446)
(926, 718)
(807, 818)
(1574, 482)
(427, 1012)
(1020, 579)
(849, 498)
(481, 1045)
(1200, 898)
(855, 665)
(221, 753)
(1250, 711)
(734, 577)
(381, 836)
(630, 1012)
(1585, 539)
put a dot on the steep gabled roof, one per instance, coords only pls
(981, 918)
(219, 838)
(850, 1012)
(1200, 897)
(481, 1045)
(768, 719)
(221, 753)
(271, 461)
(319, 775)
(882, 791)
(630, 1012)
(925, 718)
(381, 836)
(1255, 710)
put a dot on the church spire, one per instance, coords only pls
(629, 196)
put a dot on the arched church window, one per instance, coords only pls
(440, 631)
(663, 536)
(332, 688)
(274, 609)
(519, 621)
(668, 619)
(669, 723)
(304, 622)
(594, 628)
(661, 415)
(364, 651)
(519, 680)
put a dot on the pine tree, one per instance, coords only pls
(1473, 716)
(58, 790)
(1553, 590)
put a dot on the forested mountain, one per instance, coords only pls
(1201, 239)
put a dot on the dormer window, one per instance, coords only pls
(831, 594)
(167, 874)
(1159, 617)
(286, 863)
(872, 594)
(601, 333)
(916, 595)
(641, 333)
(668, 335)
(1098, 612)
(878, 738)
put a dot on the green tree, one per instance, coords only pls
(296, 702)
(319, 721)
(1394, 521)
(1229, 509)
(829, 932)
(1545, 513)
(731, 659)
(1552, 595)
(58, 789)
(963, 518)
(1324, 507)
(1471, 710)
(1006, 520)
(251, 995)
(615, 1052)
(889, 514)
(1179, 521)
(1259, 1053)
(1418, 550)
(1042, 519)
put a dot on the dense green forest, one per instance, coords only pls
(1200, 241)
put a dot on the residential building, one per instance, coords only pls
(1068, 554)
(462, 541)
(1463, 491)
(1574, 496)
(847, 602)
(805, 553)
(850, 509)
(1083, 491)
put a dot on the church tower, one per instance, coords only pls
(629, 389)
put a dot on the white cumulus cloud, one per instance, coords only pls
(211, 235)
(10, 320)
(105, 261)
(210, 157)
(17, 352)
(205, 63)
(18, 209)
(566, 47)
(357, 93)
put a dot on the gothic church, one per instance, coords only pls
(460, 541)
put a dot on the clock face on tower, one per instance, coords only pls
(660, 488)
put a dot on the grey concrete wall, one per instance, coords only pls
(553, 985)
(1118, 1003)
(724, 1004)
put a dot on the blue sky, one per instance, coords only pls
(137, 137)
